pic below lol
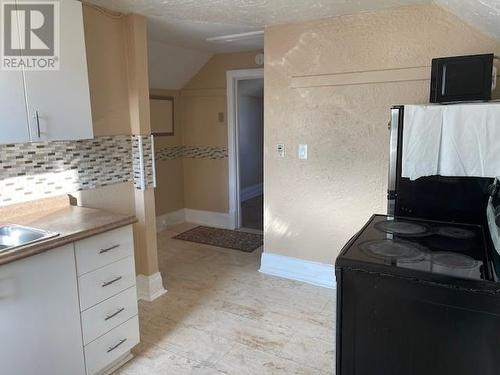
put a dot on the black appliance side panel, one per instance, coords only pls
(338, 330)
(453, 199)
(394, 326)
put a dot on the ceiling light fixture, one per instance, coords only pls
(235, 37)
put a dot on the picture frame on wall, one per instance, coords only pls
(162, 115)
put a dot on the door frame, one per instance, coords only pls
(232, 78)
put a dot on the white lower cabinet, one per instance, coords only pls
(53, 321)
(107, 349)
(40, 330)
(108, 298)
(105, 282)
(102, 318)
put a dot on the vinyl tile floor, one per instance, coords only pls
(221, 316)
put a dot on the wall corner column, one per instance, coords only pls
(149, 280)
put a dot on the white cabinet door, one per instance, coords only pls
(59, 101)
(40, 329)
(13, 118)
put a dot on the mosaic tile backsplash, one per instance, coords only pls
(193, 152)
(35, 170)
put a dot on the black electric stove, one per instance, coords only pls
(417, 297)
(447, 253)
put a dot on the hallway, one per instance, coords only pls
(252, 213)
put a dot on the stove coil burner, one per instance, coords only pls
(454, 264)
(456, 233)
(453, 260)
(403, 228)
(393, 250)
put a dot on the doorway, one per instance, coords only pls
(246, 148)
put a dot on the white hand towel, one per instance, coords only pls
(421, 140)
(453, 140)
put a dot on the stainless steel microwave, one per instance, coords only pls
(463, 78)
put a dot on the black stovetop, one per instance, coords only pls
(421, 247)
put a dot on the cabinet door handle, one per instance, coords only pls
(36, 116)
(102, 251)
(111, 348)
(107, 283)
(120, 310)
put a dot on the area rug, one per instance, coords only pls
(230, 239)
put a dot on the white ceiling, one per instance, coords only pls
(482, 14)
(188, 23)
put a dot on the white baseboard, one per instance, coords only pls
(251, 192)
(171, 218)
(116, 364)
(208, 218)
(315, 273)
(150, 287)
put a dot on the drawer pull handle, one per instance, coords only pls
(108, 249)
(107, 283)
(111, 348)
(114, 314)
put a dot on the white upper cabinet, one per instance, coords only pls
(56, 102)
(13, 117)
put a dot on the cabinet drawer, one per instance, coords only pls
(98, 251)
(96, 286)
(109, 314)
(114, 344)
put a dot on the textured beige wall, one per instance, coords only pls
(169, 194)
(117, 198)
(344, 180)
(106, 60)
(145, 241)
(206, 181)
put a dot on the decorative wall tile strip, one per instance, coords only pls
(169, 153)
(205, 152)
(192, 152)
(35, 170)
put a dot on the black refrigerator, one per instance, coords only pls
(453, 199)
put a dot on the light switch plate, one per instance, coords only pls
(303, 151)
(280, 149)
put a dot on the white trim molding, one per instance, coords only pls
(232, 78)
(120, 362)
(200, 217)
(171, 218)
(251, 192)
(150, 287)
(208, 218)
(421, 73)
(315, 273)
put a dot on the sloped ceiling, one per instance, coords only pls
(482, 14)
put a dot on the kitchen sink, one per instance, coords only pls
(12, 236)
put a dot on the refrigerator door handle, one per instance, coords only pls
(393, 158)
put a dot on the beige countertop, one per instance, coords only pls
(73, 223)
